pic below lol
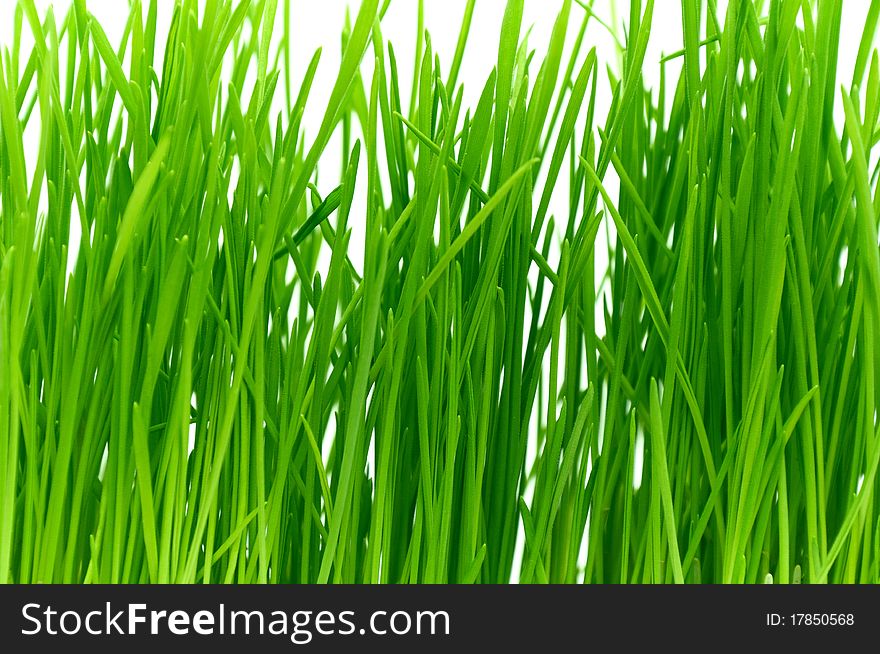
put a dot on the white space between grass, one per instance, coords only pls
(316, 24)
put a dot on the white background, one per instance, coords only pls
(317, 23)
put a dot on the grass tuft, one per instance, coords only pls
(202, 381)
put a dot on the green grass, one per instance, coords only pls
(221, 391)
